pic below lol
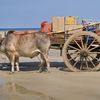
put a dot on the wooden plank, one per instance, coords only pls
(71, 20)
(58, 23)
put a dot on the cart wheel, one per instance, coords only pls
(81, 52)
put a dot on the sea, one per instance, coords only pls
(18, 29)
(4, 31)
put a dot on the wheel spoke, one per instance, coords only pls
(70, 59)
(93, 48)
(73, 47)
(77, 44)
(76, 62)
(87, 38)
(86, 41)
(81, 60)
(73, 58)
(94, 52)
(75, 52)
(72, 53)
(85, 45)
(94, 58)
(86, 63)
(91, 44)
(91, 62)
(82, 43)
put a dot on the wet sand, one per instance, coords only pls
(56, 85)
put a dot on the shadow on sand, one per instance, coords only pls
(32, 66)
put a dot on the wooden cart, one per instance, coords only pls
(80, 47)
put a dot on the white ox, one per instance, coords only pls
(17, 44)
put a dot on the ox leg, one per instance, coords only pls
(17, 63)
(12, 61)
(12, 66)
(42, 63)
(45, 61)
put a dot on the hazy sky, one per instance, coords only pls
(30, 13)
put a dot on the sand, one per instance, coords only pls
(56, 85)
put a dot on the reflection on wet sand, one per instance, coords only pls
(13, 91)
(2, 82)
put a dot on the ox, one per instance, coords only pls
(17, 44)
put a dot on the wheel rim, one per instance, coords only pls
(82, 52)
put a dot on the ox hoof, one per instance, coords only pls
(11, 72)
(39, 71)
(48, 70)
(18, 71)
(43, 69)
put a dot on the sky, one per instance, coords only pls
(30, 13)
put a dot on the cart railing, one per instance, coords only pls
(97, 25)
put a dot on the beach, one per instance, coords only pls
(28, 84)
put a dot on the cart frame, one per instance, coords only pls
(60, 40)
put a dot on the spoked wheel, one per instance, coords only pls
(81, 52)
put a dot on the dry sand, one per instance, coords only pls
(57, 85)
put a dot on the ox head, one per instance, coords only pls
(9, 32)
(2, 41)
